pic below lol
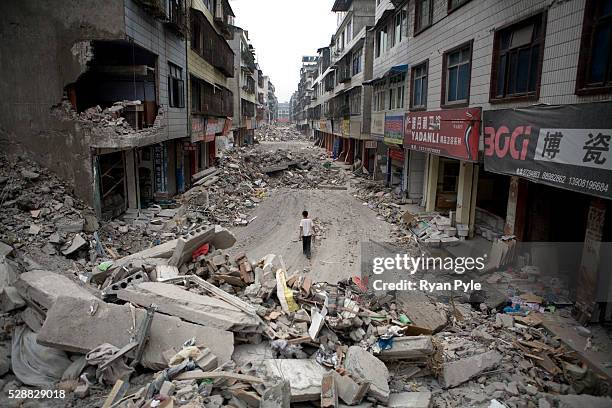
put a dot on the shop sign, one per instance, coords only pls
(323, 125)
(565, 146)
(356, 129)
(370, 144)
(211, 129)
(329, 126)
(397, 154)
(337, 127)
(346, 128)
(198, 128)
(378, 123)
(451, 133)
(394, 129)
(160, 167)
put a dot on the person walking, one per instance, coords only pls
(306, 232)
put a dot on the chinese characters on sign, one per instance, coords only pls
(394, 125)
(451, 133)
(565, 146)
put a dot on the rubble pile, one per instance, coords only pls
(120, 118)
(277, 133)
(380, 199)
(203, 328)
(226, 193)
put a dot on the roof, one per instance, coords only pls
(342, 5)
(396, 69)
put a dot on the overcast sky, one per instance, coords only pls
(282, 31)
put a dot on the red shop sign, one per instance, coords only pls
(396, 154)
(452, 133)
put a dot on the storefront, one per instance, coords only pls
(450, 140)
(559, 161)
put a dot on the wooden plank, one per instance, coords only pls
(199, 374)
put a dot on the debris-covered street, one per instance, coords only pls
(310, 204)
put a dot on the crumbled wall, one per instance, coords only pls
(44, 46)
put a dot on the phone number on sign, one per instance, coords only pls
(590, 184)
(36, 394)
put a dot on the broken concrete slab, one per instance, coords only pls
(348, 390)
(5, 249)
(71, 326)
(364, 367)
(421, 311)
(43, 288)
(77, 243)
(10, 299)
(33, 319)
(254, 354)
(304, 376)
(504, 320)
(409, 348)
(410, 400)
(583, 401)
(457, 372)
(189, 306)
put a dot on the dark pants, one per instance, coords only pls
(306, 246)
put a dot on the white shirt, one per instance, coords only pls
(306, 224)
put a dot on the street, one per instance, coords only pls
(309, 204)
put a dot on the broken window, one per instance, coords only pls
(176, 86)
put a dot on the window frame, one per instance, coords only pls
(538, 17)
(463, 103)
(417, 8)
(423, 106)
(589, 25)
(175, 73)
(356, 59)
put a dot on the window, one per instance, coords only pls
(455, 4)
(404, 14)
(355, 101)
(380, 95)
(595, 63)
(397, 35)
(422, 15)
(176, 86)
(396, 91)
(517, 56)
(418, 97)
(357, 62)
(381, 41)
(457, 66)
(349, 31)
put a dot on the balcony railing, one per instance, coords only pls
(212, 47)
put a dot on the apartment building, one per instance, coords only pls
(506, 112)
(342, 113)
(244, 86)
(210, 62)
(84, 78)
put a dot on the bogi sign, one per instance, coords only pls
(451, 133)
(566, 146)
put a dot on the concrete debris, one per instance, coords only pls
(78, 325)
(304, 377)
(410, 400)
(364, 367)
(229, 331)
(191, 307)
(43, 288)
(460, 371)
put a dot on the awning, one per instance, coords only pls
(397, 69)
(383, 17)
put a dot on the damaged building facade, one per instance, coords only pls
(127, 103)
(211, 65)
(244, 86)
(494, 113)
(105, 109)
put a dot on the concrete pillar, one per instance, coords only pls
(432, 182)
(131, 179)
(464, 192)
(405, 173)
(473, 203)
(516, 208)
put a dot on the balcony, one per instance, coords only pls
(247, 108)
(209, 45)
(210, 100)
(177, 16)
(248, 59)
(344, 73)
